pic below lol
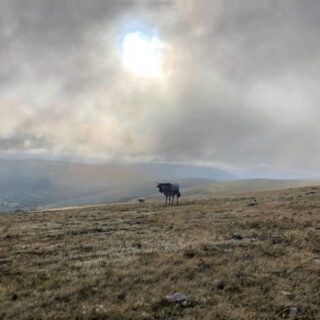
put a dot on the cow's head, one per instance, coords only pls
(159, 186)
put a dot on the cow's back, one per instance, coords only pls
(170, 188)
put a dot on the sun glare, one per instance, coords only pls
(143, 56)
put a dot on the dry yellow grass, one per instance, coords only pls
(252, 256)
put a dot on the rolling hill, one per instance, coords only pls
(254, 256)
(37, 183)
(27, 184)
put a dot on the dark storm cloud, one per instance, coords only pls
(242, 87)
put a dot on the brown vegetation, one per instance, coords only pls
(252, 256)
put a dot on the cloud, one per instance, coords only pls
(240, 85)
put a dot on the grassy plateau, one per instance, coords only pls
(248, 256)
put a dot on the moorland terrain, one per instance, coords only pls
(245, 256)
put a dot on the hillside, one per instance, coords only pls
(34, 183)
(250, 256)
(131, 192)
(191, 188)
(29, 184)
(223, 188)
(26, 184)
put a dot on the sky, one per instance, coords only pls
(222, 82)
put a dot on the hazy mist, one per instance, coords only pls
(238, 85)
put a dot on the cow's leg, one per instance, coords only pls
(166, 200)
(177, 200)
(173, 200)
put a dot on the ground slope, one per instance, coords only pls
(252, 256)
(26, 184)
(223, 188)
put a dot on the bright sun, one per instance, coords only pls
(143, 55)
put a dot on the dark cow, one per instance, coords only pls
(170, 190)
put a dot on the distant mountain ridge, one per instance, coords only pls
(181, 171)
(26, 184)
(264, 172)
(38, 183)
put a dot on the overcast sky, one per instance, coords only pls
(234, 83)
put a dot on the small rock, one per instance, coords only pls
(255, 236)
(315, 260)
(311, 192)
(177, 298)
(189, 254)
(184, 303)
(219, 284)
(287, 294)
(202, 266)
(137, 245)
(252, 204)
(282, 273)
(121, 295)
(237, 237)
(293, 310)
